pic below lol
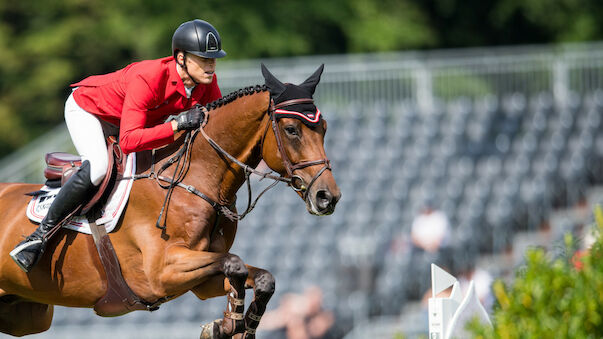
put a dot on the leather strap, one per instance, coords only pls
(289, 166)
(118, 298)
(234, 315)
(254, 316)
(294, 102)
(236, 301)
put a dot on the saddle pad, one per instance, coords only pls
(38, 206)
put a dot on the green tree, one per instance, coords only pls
(46, 45)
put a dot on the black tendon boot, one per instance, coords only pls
(74, 193)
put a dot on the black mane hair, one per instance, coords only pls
(234, 95)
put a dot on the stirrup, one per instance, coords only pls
(23, 246)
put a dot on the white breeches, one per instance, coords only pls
(88, 135)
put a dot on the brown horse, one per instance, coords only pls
(192, 252)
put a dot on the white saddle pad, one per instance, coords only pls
(38, 206)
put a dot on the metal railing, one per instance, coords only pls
(424, 78)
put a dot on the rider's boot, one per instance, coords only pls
(71, 196)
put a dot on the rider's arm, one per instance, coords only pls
(134, 136)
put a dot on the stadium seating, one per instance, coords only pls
(494, 165)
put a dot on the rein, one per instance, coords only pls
(295, 181)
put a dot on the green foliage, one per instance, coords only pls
(46, 45)
(552, 298)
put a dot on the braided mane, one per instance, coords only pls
(234, 95)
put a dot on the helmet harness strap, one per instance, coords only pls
(183, 65)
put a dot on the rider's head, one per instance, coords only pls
(195, 45)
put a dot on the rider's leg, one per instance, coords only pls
(88, 137)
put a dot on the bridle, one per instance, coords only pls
(295, 181)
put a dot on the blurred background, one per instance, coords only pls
(460, 133)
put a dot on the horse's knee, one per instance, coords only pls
(264, 285)
(235, 269)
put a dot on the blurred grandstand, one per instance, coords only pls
(499, 139)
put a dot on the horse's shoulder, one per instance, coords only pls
(17, 189)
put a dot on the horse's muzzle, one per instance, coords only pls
(324, 201)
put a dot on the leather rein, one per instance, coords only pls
(295, 181)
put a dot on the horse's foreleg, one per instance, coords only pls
(262, 283)
(237, 273)
(196, 271)
(263, 286)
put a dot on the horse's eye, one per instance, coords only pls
(291, 130)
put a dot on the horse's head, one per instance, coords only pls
(296, 147)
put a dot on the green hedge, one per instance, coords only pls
(552, 297)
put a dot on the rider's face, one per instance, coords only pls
(202, 69)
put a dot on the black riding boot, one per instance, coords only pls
(75, 191)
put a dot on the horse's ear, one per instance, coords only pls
(312, 81)
(275, 86)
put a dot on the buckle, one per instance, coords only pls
(297, 183)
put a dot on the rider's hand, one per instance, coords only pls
(191, 119)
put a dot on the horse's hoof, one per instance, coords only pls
(211, 330)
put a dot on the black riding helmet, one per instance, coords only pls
(198, 37)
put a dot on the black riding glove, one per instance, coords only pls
(191, 119)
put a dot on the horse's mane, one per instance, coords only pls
(144, 158)
(234, 95)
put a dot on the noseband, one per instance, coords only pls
(297, 182)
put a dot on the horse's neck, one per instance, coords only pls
(238, 128)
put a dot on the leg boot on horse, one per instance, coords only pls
(262, 283)
(74, 193)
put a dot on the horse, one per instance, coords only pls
(191, 251)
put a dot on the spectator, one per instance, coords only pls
(430, 229)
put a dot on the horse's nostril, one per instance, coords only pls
(323, 199)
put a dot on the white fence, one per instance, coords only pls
(422, 77)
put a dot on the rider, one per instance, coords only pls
(134, 102)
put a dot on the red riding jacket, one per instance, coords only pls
(138, 99)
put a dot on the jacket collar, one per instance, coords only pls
(173, 77)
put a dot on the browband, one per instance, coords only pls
(294, 102)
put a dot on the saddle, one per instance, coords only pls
(119, 298)
(61, 166)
